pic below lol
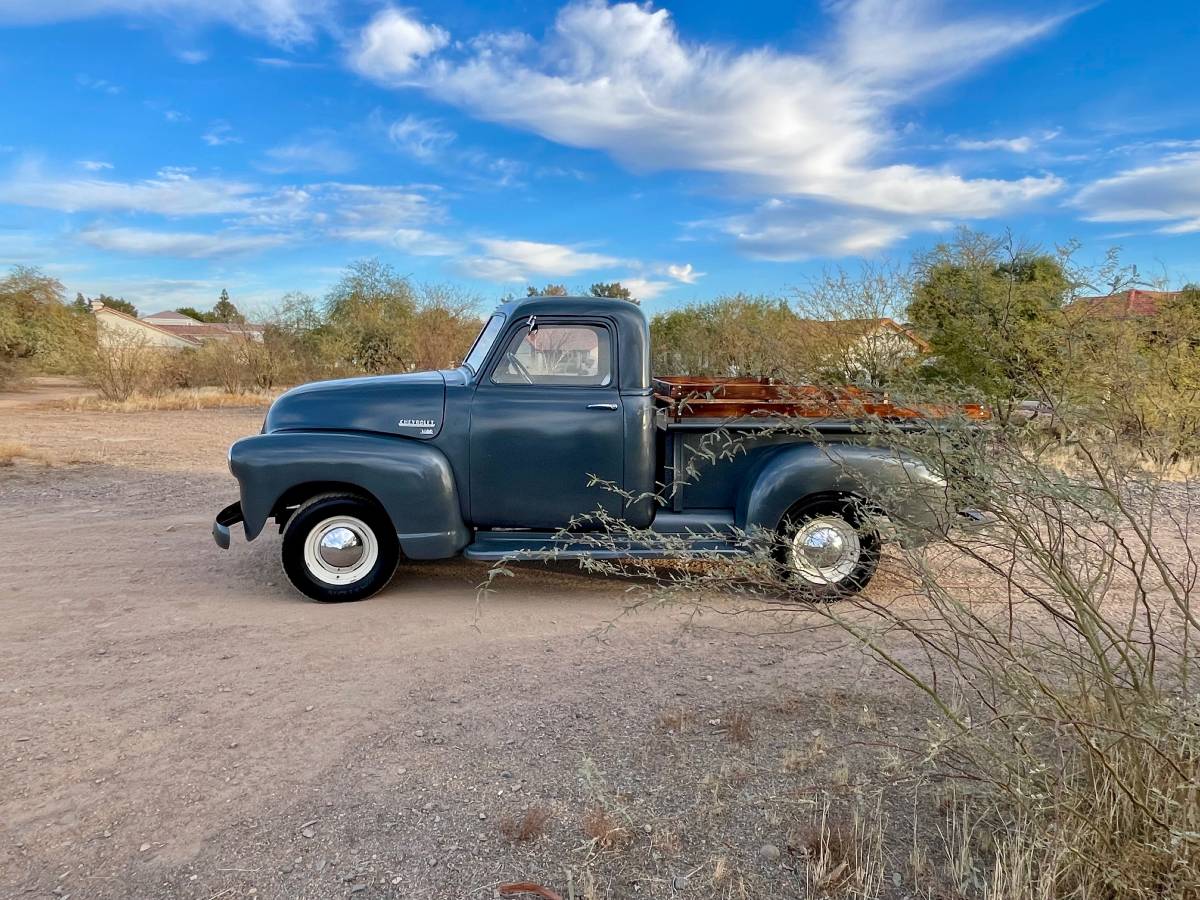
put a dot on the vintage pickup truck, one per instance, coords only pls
(497, 457)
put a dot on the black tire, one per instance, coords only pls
(858, 574)
(366, 521)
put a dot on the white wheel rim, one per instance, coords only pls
(825, 550)
(340, 550)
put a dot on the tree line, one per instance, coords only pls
(980, 315)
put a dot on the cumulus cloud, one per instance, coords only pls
(282, 21)
(187, 244)
(516, 260)
(393, 43)
(685, 274)
(620, 79)
(645, 288)
(1167, 191)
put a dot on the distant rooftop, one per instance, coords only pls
(1133, 304)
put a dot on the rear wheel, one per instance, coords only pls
(339, 547)
(830, 548)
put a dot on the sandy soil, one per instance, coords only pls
(176, 721)
(42, 389)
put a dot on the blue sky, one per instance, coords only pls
(165, 149)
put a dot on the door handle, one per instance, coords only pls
(612, 406)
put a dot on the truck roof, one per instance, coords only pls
(633, 331)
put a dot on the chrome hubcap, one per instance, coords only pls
(825, 550)
(341, 547)
(340, 550)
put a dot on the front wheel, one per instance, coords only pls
(339, 547)
(830, 549)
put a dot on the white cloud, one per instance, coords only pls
(419, 137)
(393, 43)
(385, 215)
(509, 260)
(644, 288)
(237, 216)
(897, 43)
(313, 154)
(220, 133)
(620, 79)
(94, 165)
(172, 192)
(785, 230)
(279, 62)
(685, 274)
(97, 84)
(192, 57)
(190, 245)
(1022, 144)
(1167, 191)
(283, 21)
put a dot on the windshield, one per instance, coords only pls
(483, 343)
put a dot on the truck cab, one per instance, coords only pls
(552, 426)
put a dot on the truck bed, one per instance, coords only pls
(686, 397)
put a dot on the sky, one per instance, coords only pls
(162, 150)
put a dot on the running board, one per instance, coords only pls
(538, 545)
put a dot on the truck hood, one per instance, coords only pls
(410, 405)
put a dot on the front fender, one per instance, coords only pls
(898, 483)
(412, 481)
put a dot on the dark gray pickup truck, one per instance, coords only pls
(499, 456)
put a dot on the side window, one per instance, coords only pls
(578, 355)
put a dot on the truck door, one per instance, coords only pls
(545, 417)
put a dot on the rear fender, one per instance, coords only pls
(900, 485)
(412, 481)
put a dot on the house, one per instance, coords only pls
(168, 330)
(1132, 304)
(862, 350)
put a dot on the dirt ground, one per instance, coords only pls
(177, 721)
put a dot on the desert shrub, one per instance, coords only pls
(123, 363)
(38, 330)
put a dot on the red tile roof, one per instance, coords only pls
(1133, 304)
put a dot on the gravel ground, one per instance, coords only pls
(176, 721)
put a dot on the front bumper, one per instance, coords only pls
(230, 515)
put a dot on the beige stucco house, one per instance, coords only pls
(166, 330)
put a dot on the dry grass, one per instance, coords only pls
(798, 760)
(675, 720)
(843, 854)
(11, 451)
(604, 831)
(736, 723)
(196, 398)
(529, 826)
